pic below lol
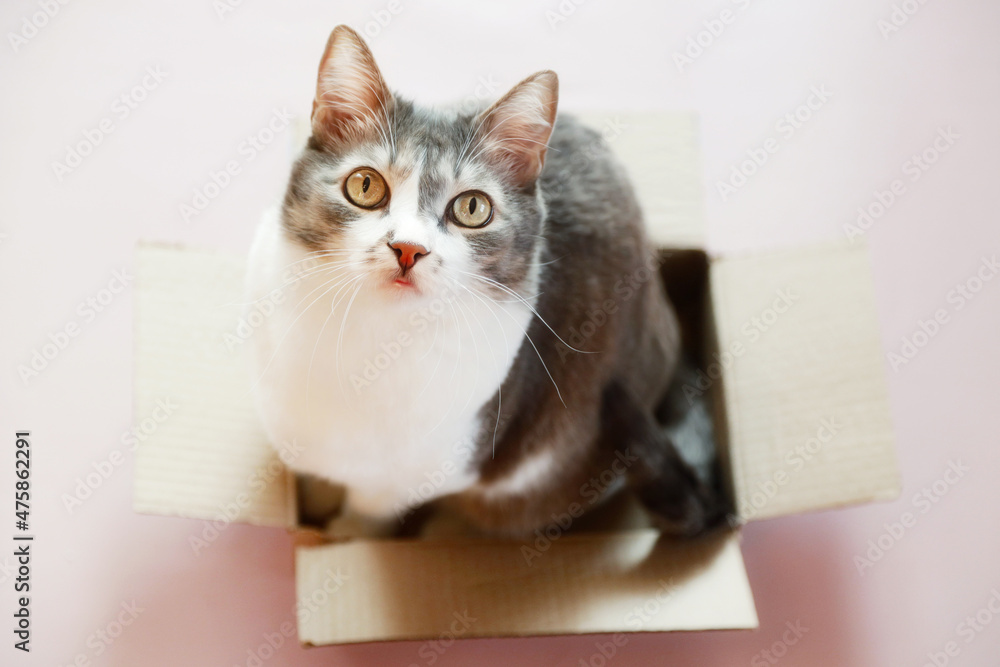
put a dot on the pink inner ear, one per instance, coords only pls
(516, 130)
(352, 100)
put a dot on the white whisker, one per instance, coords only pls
(532, 343)
(530, 307)
(343, 324)
(496, 426)
(290, 326)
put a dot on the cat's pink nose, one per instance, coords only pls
(407, 254)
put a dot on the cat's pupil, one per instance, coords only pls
(472, 206)
(367, 182)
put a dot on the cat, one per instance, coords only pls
(440, 263)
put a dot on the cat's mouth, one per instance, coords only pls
(404, 283)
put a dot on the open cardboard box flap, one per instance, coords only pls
(807, 413)
(803, 424)
(210, 459)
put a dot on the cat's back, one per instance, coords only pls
(598, 255)
(587, 192)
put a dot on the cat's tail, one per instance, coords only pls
(679, 480)
(686, 418)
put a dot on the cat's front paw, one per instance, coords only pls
(350, 525)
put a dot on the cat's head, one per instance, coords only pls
(413, 201)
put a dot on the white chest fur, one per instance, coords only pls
(381, 395)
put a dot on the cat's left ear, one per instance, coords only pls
(352, 100)
(515, 131)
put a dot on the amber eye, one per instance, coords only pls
(366, 188)
(472, 209)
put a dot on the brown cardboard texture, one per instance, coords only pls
(790, 356)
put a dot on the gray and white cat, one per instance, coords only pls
(442, 261)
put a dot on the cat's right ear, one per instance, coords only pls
(515, 131)
(352, 100)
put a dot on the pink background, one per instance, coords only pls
(62, 241)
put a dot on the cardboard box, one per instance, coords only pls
(791, 357)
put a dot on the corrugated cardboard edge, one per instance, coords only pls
(806, 402)
(630, 581)
(202, 453)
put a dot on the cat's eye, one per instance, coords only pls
(366, 188)
(472, 209)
